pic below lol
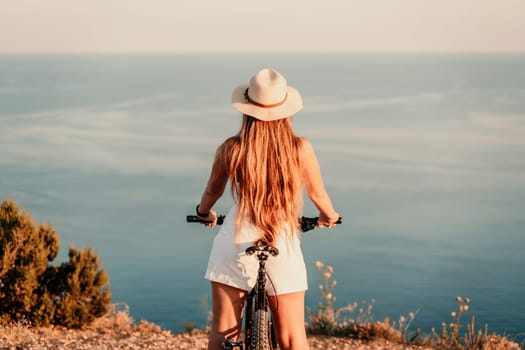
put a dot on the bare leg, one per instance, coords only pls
(227, 304)
(288, 316)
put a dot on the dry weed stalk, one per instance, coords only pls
(451, 337)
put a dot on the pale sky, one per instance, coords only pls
(321, 26)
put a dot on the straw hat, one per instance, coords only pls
(267, 97)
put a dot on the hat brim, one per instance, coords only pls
(292, 105)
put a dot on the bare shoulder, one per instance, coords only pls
(305, 147)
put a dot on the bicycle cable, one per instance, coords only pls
(274, 290)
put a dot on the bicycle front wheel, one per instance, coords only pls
(261, 331)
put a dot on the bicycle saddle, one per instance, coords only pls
(262, 248)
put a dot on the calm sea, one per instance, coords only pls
(423, 155)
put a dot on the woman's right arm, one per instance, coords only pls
(215, 187)
(315, 186)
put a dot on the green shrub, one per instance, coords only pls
(71, 294)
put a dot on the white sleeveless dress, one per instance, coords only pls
(228, 263)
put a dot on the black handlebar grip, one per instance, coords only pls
(195, 218)
(308, 224)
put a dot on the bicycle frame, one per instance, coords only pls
(256, 300)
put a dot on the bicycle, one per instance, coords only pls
(258, 329)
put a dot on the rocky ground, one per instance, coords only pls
(60, 339)
(120, 332)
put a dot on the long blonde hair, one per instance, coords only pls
(264, 168)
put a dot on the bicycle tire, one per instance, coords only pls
(261, 331)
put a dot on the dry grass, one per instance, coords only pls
(115, 325)
(118, 322)
(355, 321)
(18, 335)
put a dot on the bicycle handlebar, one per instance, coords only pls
(307, 223)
